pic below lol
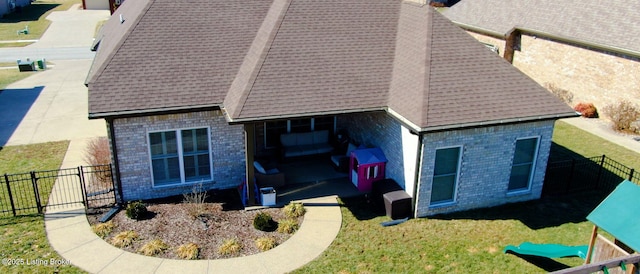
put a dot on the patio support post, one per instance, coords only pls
(249, 151)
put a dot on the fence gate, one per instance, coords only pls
(37, 191)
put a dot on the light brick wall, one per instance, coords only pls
(227, 145)
(377, 129)
(487, 155)
(591, 75)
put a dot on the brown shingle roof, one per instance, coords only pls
(612, 23)
(294, 58)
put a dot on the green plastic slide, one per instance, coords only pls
(548, 250)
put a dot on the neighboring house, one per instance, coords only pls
(586, 47)
(193, 91)
(9, 6)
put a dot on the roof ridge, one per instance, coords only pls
(256, 55)
(136, 21)
(424, 110)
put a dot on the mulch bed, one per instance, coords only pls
(172, 221)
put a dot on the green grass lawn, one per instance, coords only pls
(8, 76)
(24, 237)
(472, 241)
(576, 141)
(32, 16)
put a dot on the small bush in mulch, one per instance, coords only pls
(124, 239)
(136, 210)
(587, 110)
(264, 222)
(266, 243)
(230, 246)
(103, 229)
(98, 154)
(188, 251)
(294, 210)
(623, 114)
(288, 226)
(153, 247)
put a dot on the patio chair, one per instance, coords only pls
(268, 177)
(341, 161)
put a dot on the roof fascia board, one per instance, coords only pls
(149, 112)
(500, 122)
(551, 36)
(299, 115)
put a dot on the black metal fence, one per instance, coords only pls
(33, 192)
(584, 174)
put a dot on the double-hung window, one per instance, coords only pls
(524, 160)
(445, 175)
(180, 156)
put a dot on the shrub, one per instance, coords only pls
(153, 247)
(229, 246)
(263, 222)
(188, 251)
(622, 114)
(294, 210)
(124, 239)
(561, 93)
(587, 110)
(266, 243)
(98, 154)
(288, 226)
(103, 229)
(196, 201)
(136, 210)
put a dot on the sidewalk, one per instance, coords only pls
(602, 129)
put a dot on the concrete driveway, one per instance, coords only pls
(52, 105)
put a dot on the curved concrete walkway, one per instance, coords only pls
(70, 235)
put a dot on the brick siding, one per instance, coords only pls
(487, 155)
(227, 145)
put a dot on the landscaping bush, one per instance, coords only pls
(622, 114)
(154, 247)
(264, 222)
(587, 110)
(561, 93)
(230, 246)
(136, 210)
(103, 229)
(288, 226)
(294, 210)
(98, 154)
(124, 239)
(265, 243)
(188, 251)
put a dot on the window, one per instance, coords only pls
(180, 156)
(273, 130)
(445, 175)
(524, 160)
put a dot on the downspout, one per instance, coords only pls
(416, 178)
(114, 149)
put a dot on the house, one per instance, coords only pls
(192, 92)
(591, 49)
(9, 6)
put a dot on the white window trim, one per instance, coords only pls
(455, 188)
(531, 172)
(183, 181)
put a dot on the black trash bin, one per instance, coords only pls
(397, 204)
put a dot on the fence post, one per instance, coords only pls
(604, 157)
(36, 193)
(83, 188)
(13, 206)
(631, 174)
